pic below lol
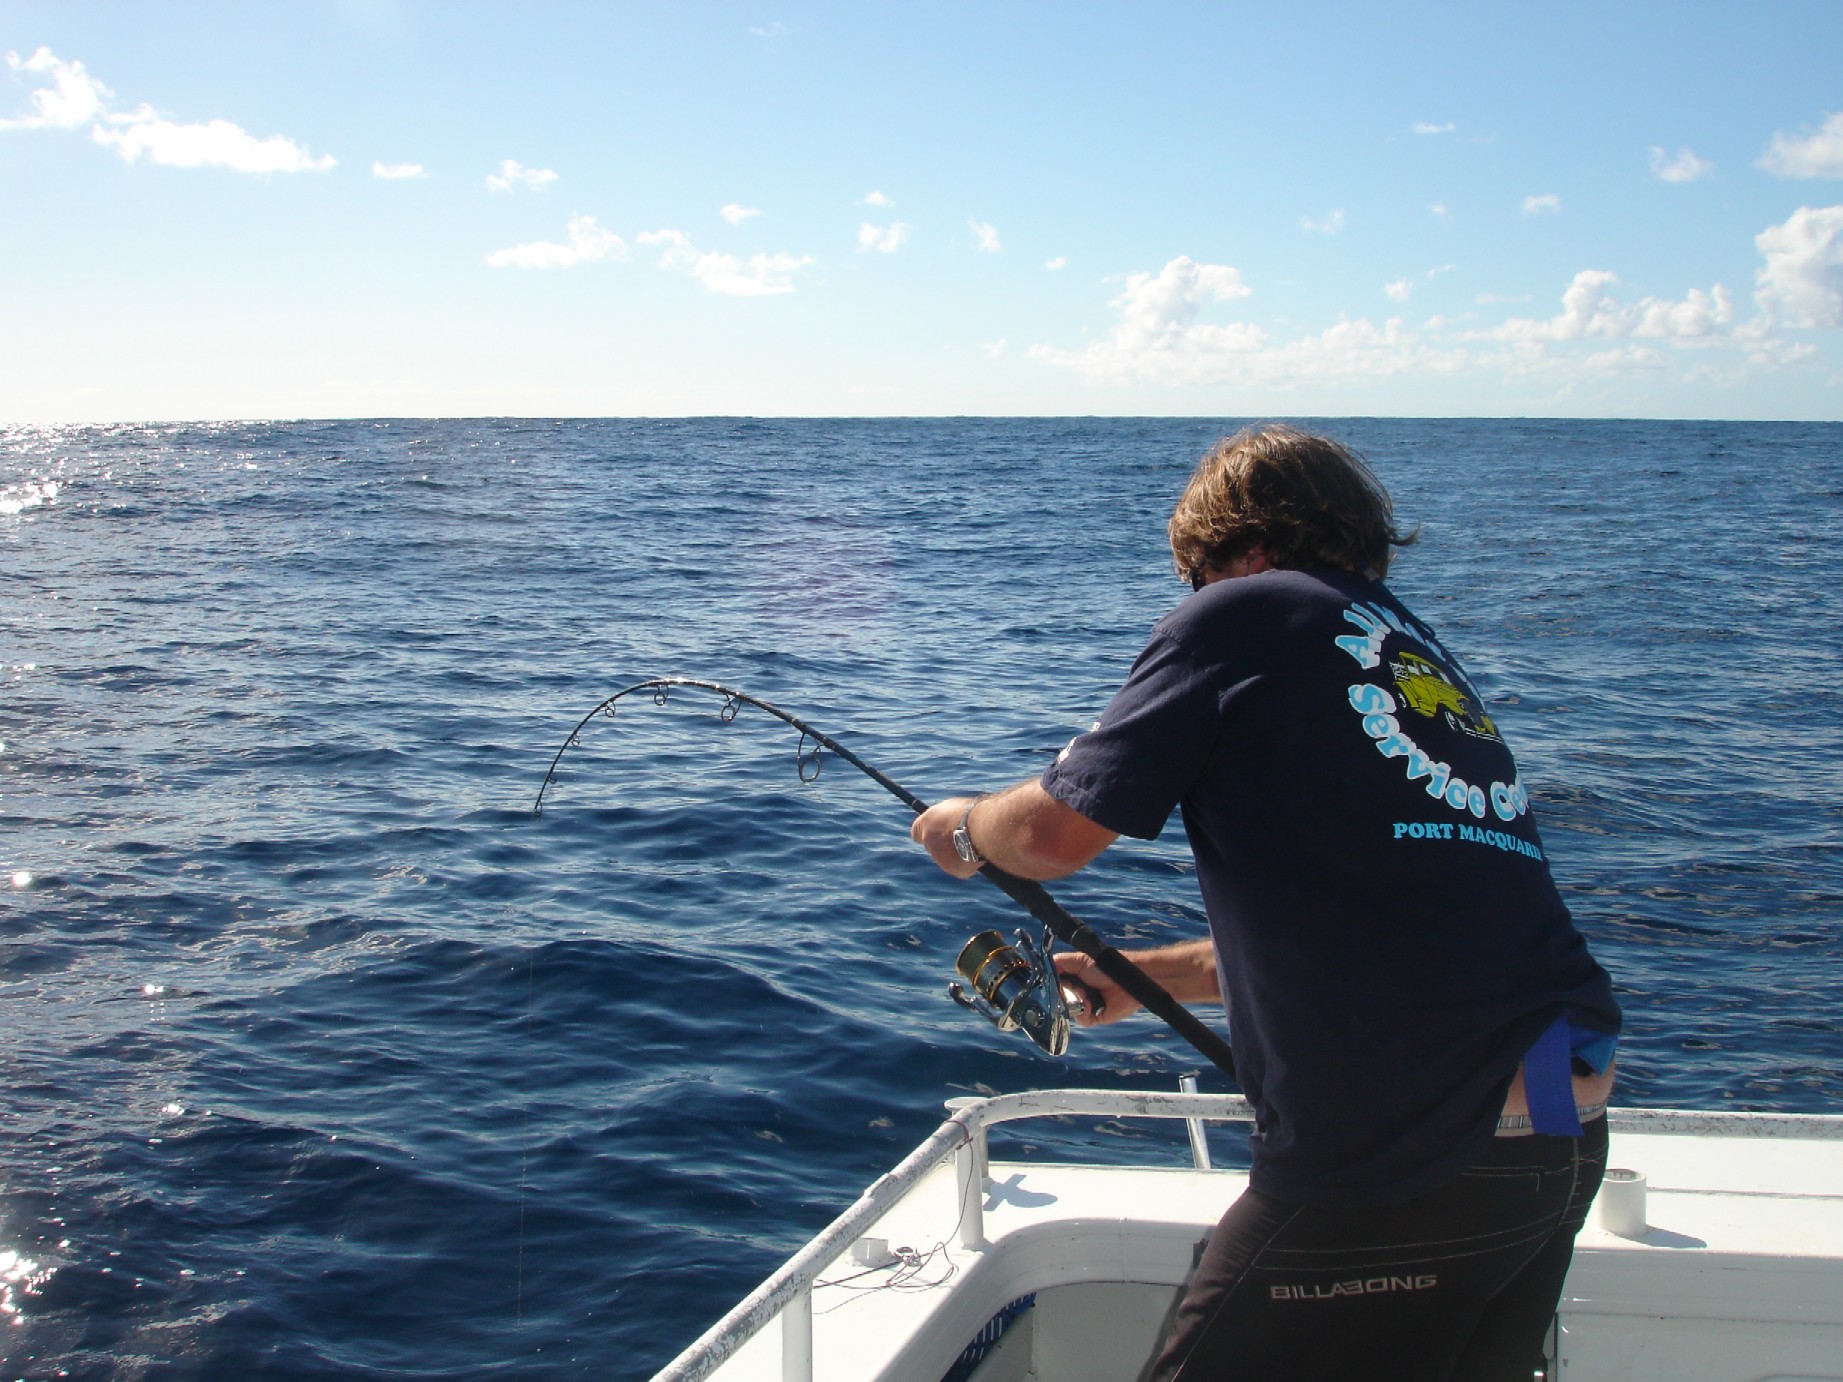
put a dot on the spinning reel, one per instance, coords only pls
(1015, 987)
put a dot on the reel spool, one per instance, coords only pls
(1016, 988)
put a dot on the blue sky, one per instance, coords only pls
(372, 208)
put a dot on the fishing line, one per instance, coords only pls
(1029, 895)
(524, 1151)
(905, 1274)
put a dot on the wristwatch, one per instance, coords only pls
(963, 838)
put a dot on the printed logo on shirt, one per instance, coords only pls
(1424, 688)
(1471, 834)
(1365, 1286)
(1427, 691)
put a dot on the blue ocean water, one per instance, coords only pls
(325, 1059)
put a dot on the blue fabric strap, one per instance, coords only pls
(1549, 1083)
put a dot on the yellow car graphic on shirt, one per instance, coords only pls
(1426, 690)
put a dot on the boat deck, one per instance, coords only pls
(1731, 1269)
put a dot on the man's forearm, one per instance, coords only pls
(1027, 832)
(1022, 830)
(1187, 970)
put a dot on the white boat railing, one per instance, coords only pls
(789, 1291)
(1668, 1122)
(963, 1137)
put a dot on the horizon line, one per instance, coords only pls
(251, 421)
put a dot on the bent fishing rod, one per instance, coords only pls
(1017, 989)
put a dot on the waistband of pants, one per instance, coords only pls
(1520, 1125)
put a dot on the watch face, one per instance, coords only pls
(963, 845)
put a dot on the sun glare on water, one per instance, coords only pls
(19, 1276)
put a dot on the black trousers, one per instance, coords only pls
(1456, 1286)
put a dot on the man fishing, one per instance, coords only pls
(1424, 1038)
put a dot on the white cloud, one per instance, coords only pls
(1547, 203)
(987, 235)
(1698, 316)
(1440, 211)
(1774, 352)
(992, 349)
(1158, 335)
(512, 175)
(588, 242)
(1357, 348)
(1598, 335)
(1801, 281)
(73, 98)
(884, 239)
(213, 144)
(1328, 224)
(1158, 340)
(1428, 127)
(1622, 358)
(397, 171)
(1589, 311)
(1812, 154)
(1683, 166)
(875, 199)
(763, 275)
(1594, 340)
(1061, 261)
(736, 213)
(1168, 300)
(770, 33)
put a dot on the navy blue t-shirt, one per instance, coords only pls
(1389, 940)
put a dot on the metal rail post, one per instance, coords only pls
(969, 1165)
(1199, 1145)
(797, 1338)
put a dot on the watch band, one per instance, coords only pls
(963, 835)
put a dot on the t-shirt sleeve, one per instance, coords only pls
(1151, 743)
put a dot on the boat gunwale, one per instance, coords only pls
(966, 1126)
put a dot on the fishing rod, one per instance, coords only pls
(1017, 985)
